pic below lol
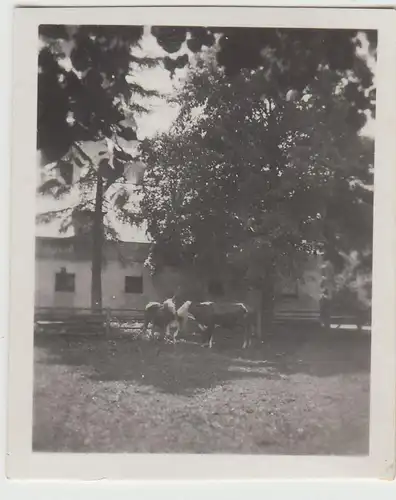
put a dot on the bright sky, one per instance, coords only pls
(158, 120)
(163, 114)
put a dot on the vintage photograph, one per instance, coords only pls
(202, 244)
(204, 228)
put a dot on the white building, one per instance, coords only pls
(63, 279)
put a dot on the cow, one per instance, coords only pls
(208, 315)
(161, 316)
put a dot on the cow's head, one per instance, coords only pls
(183, 310)
(170, 305)
(183, 315)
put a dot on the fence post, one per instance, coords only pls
(259, 324)
(255, 302)
(108, 317)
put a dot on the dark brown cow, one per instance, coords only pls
(211, 314)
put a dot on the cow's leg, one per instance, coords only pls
(161, 337)
(145, 325)
(181, 326)
(248, 332)
(205, 335)
(166, 331)
(210, 331)
(245, 339)
(155, 328)
(177, 329)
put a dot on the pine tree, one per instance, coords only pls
(87, 102)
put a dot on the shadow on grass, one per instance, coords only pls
(185, 367)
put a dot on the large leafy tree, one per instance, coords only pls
(291, 58)
(252, 180)
(84, 93)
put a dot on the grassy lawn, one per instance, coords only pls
(296, 393)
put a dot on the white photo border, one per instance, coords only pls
(22, 462)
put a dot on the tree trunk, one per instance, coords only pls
(97, 247)
(268, 302)
(259, 323)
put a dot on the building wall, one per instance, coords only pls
(114, 296)
(159, 287)
(113, 285)
(45, 295)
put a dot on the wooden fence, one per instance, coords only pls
(84, 321)
(112, 322)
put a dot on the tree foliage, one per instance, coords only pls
(264, 165)
(249, 183)
(83, 87)
(88, 99)
(87, 102)
(291, 58)
(101, 57)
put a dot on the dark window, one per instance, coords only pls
(64, 281)
(133, 284)
(216, 288)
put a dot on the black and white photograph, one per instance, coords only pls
(203, 238)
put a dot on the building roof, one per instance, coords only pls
(79, 249)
